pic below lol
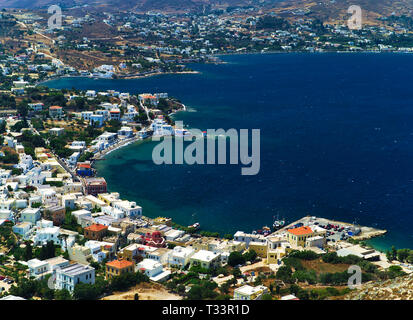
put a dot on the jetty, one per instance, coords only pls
(359, 232)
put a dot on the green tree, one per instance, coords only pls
(250, 255)
(62, 295)
(84, 291)
(235, 258)
(28, 251)
(284, 273)
(266, 296)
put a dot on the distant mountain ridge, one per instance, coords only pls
(124, 4)
(326, 10)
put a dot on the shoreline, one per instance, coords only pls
(366, 233)
(126, 77)
(125, 142)
(130, 77)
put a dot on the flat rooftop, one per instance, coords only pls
(75, 269)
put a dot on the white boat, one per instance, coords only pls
(278, 224)
(196, 225)
(182, 133)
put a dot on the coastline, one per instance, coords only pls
(99, 155)
(125, 142)
(129, 77)
(126, 77)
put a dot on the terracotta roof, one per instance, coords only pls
(96, 227)
(119, 264)
(55, 107)
(300, 231)
(83, 165)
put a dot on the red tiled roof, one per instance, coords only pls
(96, 227)
(55, 107)
(300, 231)
(119, 264)
(84, 165)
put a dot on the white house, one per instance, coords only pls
(45, 235)
(107, 138)
(250, 293)
(37, 268)
(173, 234)
(31, 215)
(78, 214)
(113, 212)
(129, 208)
(74, 158)
(179, 256)
(126, 132)
(96, 120)
(68, 201)
(49, 196)
(69, 276)
(205, 259)
(153, 269)
(249, 237)
(91, 93)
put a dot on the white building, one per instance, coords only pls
(113, 212)
(74, 158)
(249, 237)
(179, 256)
(173, 234)
(47, 234)
(68, 277)
(129, 208)
(125, 132)
(205, 259)
(38, 269)
(68, 201)
(249, 293)
(153, 269)
(30, 215)
(107, 138)
(79, 214)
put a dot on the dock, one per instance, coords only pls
(365, 232)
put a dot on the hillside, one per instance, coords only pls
(325, 10)
(131, 4)
(400, 288)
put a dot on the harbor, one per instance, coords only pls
(336, 230)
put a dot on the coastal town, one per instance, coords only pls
(125, 45)
(64, 236)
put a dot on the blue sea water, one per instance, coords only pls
(336, 141)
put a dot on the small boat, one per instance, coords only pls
(278, 224)
(266, 231)
(182, 133)
(196, 226)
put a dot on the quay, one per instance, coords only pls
(359, 232)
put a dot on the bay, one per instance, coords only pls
(336, 141)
